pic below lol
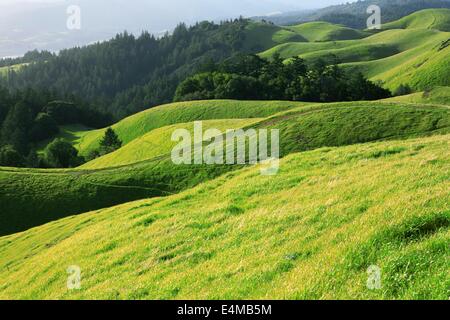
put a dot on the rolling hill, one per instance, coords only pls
(158, 143)
(262, 35)
(310, 232)
(437, 95)
(141, 123)
(354, 15)
(324, 31)
(424, 19)
(411, 51)
(31, 197)
(361, 184)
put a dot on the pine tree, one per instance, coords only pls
(110, 142)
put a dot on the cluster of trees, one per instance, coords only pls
(61, 154)
(128, 74)
(250, 77)
(58, 153)
(29, 117)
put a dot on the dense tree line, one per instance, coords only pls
(29, 117)
(250, 77)
(128, 74)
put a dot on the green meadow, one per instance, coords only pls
(31, 197)
(309, 232)
(360, 184)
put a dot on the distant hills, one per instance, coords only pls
(413, 50)
(354, 14)
(128, 74)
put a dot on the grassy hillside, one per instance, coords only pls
(33, 197)
(418, 56)
(262, 36)
(425, 19)
(158, 143)
(422, 68)
(310, 232)
(324, 31)
(141, 123)
(393, 44)
(437, 95)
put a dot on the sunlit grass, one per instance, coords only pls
(309, 232)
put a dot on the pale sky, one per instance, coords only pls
(41, 24)
(281, 3)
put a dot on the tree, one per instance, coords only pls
(61, 154)
(402, 90)
(44, 127)
(110, 142)
(9, 157)
(16, 126)
(32, 160)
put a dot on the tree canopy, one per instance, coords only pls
(249, 77)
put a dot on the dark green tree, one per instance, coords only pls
(44, 127)
(9, 157)
(16, 126)
(402, 90)
(61, 154)
(110, 142)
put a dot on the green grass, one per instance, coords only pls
(159, 142)
(418, 55)
(141, 123)
(309, 232)
(360, 184)
(437, 95)
(33, 197)
(422, 68)
(261, 36)
(425, 19)
(325, 31)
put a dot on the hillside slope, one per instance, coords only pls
(33, 197)
(354, 14)
(417, 55)
(159, 142)
(141, 123)
(324, 31)
(437, 95)
(310, 232)
(424, 19)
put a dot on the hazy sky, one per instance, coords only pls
(41, 24)
(212, 3)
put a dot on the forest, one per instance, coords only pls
(128, 74)
(29, 117)
(250, 77)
